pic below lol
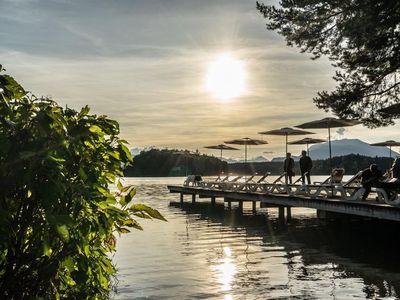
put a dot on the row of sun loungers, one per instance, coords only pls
(332, 187)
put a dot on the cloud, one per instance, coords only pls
(340, 131)
(144, 64)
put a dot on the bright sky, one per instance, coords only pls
(159, 68)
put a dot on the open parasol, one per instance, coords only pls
(389, 144)
(221, 147)
(306, 141)
(246, 141)
(286, 131)
(328, 123)
(393, 110)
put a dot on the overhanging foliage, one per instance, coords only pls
(58, 217)
(361, 37)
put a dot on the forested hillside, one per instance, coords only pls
(164, 162)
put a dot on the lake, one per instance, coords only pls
(206, 252)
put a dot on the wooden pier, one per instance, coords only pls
(325, 207)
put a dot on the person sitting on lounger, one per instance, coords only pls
(370, 177)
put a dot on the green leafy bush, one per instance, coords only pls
(58, 217)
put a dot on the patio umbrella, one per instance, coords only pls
(307, 141)
(221, 147)
(246, 141)
(286, 131)
(393, 110)
(389, 144)
(328, 123)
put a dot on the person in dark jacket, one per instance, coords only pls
(305, 167)
(288, 166)
(370, 178)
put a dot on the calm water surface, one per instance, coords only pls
(213, 253)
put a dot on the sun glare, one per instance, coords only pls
(226, 77)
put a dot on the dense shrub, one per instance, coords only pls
(58, 217)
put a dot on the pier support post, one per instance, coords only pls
(193, 198)
(288, 214)
(213, 200)
(282, 214)
(254, 207)
(229, 205)
(181, 198)
(241, 206)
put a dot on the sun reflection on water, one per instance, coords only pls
(225, 271)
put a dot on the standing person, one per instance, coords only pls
(288, 166)
(370, 178)
(305, 167)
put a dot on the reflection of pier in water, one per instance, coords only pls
(331, 253)
(326, 207)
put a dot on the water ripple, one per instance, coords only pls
(206, 252)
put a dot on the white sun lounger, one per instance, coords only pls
(239, 185)
(254, 186)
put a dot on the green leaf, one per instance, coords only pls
(63, 232)
(120, 186)
(46, 248)
(57, 159)
(96, 129)
(132, 192)
(89, 144)
(124, 230)
(141, 214)
(147, 209)
(84, 111)
(127, 152)
(122, 200)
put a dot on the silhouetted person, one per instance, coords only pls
(396, 169)
(370, 178)
(288, 166)
(305, 167)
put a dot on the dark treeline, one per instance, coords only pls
(352, 163)
(163, 162)
(158, 163)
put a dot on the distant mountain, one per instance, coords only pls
(135, 151)
(254, 159)
(258, 159)
(230, 160)
(348, 146)
(281, 158)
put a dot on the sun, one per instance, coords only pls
(226, 77)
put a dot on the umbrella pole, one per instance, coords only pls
(245, 154)
(286, 144)
(390, 156)
(308, 153)
(221, 154)
(186, 166)
(330, 148)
